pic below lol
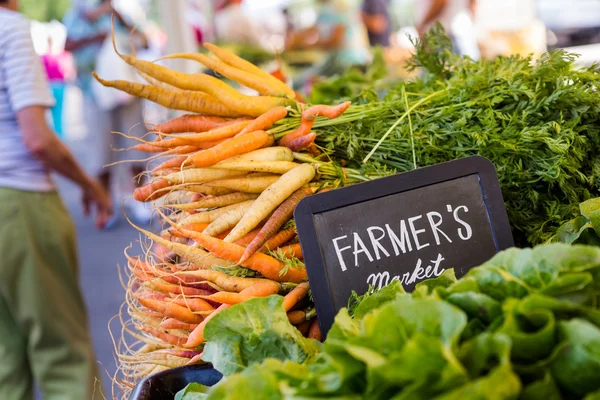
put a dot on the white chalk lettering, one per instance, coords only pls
(435, 226)
(338, 251)
(379, 279)
(399, 244)
(416, 232)
(359, 247)
(377, 247)
(436, 264)
(469, 231)
(416, 273)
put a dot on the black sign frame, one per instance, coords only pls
(395, 184)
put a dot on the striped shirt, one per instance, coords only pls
(22, 84)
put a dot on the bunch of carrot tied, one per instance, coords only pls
(233, 172)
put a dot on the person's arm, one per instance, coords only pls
(435, 9)
(374, 16)
(55, 156)
(29, 97)
(75, 44)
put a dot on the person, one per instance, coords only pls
(88, 25)
(376, 17)
(43, 324)
(339, 32)
(428, 12)
(56, 66)
(233, 25)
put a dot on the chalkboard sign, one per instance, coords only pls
(407, 227)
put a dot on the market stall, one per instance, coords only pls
(259, 246)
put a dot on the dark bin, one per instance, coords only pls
(166, 384)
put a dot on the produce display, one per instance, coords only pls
(524, 325)
(225, 180)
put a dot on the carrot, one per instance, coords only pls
(260, 289)
(292, 250)
(229, 148)
(197, 359)
(302, 142)
(179, 353)
(248, 238)
(201, 175)
(207, 190)
(194, 304)
(175, 162)
(196, 338)
(227, 282)
(172, 323)
(272, 197)
(161, 285)
(155, 82)
(197, 102)
(304, 327)
(245, 78)
(277, 153)
(304, 129)
(198, 226)
(215, 202)
(196, 256)
(268, 266)
(294, 296)
(266, 120)
(275, 167)
(314, 332)
(283, 213)
(330, 112)
(247, 184)
(171, 310)
(278, 240)
(239, 63)
(226, 221)
(165, 337)
(150, 191)
(296, 317)
(189, 123)
(210, 216)
(219, 133)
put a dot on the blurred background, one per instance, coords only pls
(293, 39)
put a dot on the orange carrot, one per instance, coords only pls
(226, 282)
(213, 202)
(302, 142)
(196, 338)
(171, 310)
(268, 266)
(265, 121)
(171, 323)
(189, 123)
(175, 162)
(164, 286)
(248, 238)
(330, 112)
(229, 148)
(194, 304)
(165, 337)
(219, 133)
(297, 294)
(296, 317)
(259, 289)
(314, 332)
(279, 239)
(304, 129)
(283, 213)
(151, 191)
(292, 250)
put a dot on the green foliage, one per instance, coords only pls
(523, 326)
(44, 10)
(584, 229)
(233, 343)
(537, 122)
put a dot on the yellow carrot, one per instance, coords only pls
(274, 167)
(239, 63)
(213, 202)
(227, 220)
(197, 102)
(276, 153)
(201, 175)
(247, 184)
(272, 197)
(210, 216)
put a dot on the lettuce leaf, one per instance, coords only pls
(253, 331)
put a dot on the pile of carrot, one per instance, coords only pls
(225, 191)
